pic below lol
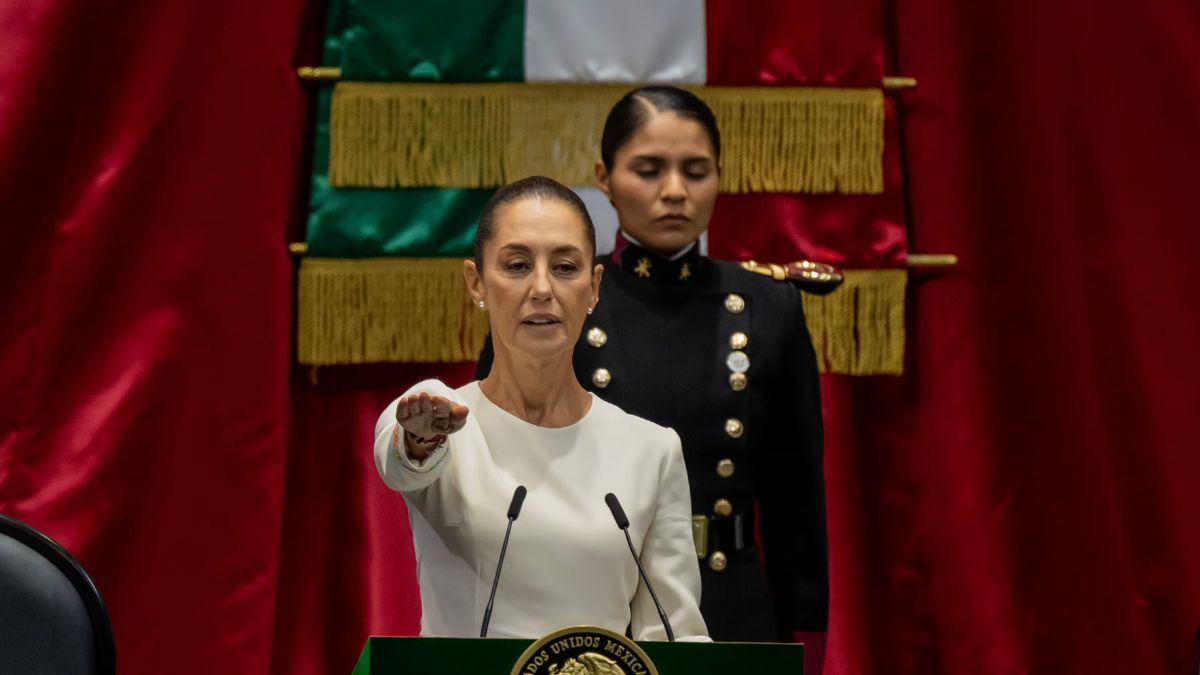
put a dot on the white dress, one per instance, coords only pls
(567, 562)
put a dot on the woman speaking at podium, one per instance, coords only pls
(458, 455)
(721, 355)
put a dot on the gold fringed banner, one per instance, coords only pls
(859, 328)
(386, 309)
(810, 140)
(774, 139)
(417, 309)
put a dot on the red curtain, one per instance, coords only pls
(348, 568)
(150, 155)
(806, 44)
(1023, 500)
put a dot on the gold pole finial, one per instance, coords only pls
(896, 82)
(319, 73)
(931, 260)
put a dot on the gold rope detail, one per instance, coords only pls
(774, 139)
(859, 328)
(386, 309)
(417, 309)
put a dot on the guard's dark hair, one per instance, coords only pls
(533, 187)
(635, 108)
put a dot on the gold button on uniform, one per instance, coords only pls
(737, 381)
(725, 468)
(733, 427)
(601, 377)
(596, 337)
(735, 303)
(717, 561)
(722, 507)
(738, 340)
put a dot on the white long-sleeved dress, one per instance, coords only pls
(567, 562)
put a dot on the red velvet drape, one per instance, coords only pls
(150, 158)
(1023, 500)
(348, 567)
(812, 43)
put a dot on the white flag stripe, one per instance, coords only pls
(615, 41)
(604, 217)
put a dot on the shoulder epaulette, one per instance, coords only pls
(815, 278)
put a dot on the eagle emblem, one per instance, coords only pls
(583, 650)
(588, 663)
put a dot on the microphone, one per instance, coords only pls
(514, 510)
(618, 515)
(514, 507)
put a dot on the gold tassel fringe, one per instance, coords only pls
(417, 309)
(859, 328)
(386, 309)
(774, 139)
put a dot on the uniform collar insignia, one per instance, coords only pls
(646, 265)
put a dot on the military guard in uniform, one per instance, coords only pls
(722, 355)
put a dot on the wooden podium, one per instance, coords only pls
(474, 656)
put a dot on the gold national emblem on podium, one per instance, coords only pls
(584, 650)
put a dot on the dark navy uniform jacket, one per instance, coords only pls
(723, 356)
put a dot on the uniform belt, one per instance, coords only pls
(731, 533)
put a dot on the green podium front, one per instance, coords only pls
(466, 656)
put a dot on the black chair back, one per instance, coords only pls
(1196, 653)
(52, 618)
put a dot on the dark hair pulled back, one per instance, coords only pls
(533, 187)
(636, 107)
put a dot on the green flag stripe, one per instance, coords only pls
(366, 223)
(434, 40)
(407, 41)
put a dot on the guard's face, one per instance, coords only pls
(538, 280)
(663, 182)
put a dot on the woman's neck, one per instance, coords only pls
(543, 392)
(671, 255)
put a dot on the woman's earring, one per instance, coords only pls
(482, 305)
(591, 308)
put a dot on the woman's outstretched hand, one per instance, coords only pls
(427, 417)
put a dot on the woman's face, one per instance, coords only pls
(538, 280)
(663, 182)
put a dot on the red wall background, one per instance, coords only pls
(1023, 500)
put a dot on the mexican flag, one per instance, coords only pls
(436, 103)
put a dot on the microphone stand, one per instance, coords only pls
(514, 510)
(623, 523)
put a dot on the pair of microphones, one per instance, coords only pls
(618, 514)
